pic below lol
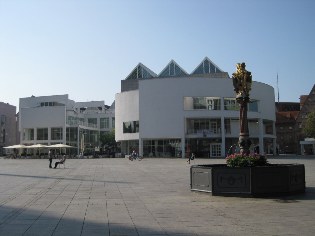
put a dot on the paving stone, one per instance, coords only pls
(149, 198)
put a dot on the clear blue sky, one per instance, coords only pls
(84, 48)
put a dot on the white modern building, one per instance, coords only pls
(56, 119)
(173, 113)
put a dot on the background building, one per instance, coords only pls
(291, 118)
(174, 113)
(8, 126)
(307, 105)
(286, 114)
(57, 119)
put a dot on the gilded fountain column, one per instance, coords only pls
(242, 81)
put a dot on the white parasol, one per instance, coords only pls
(17, 146)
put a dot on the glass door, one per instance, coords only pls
(215, 149)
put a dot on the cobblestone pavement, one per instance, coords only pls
(151, 197)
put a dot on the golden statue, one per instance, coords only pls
(242, 81)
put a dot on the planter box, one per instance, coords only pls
(283, 179)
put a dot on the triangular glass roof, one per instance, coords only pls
(141, 72)
(172, 69)
(206, 67)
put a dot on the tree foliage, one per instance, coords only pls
(309, 128)
(108, 139)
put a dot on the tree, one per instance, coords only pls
(108, 140)
(309, 128)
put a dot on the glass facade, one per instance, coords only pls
(42, 133)
(56, 133)
(206, 67)
(113, 122)
(92, 122)
(28, 134)
(202, 103)
(72, 120)
(72, 133)
(204, 126)
(162, 148)
(172, 69)
(131, 127)
(231, 104)
(51, 104)
(104, 123)
(140, 73)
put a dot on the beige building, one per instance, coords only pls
(8, 125)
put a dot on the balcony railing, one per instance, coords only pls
(204, 132)
(76, 123)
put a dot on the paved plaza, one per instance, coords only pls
(152, 197)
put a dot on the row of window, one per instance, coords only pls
(42, 134)
(51, 104)
(91, 122)
(90, 136)
(195, 126)
(214, 103)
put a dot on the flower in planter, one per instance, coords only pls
(239, 160)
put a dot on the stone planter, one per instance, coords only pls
(277, 179)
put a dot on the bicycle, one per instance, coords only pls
(135, 157)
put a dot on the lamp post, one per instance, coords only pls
(242, 81)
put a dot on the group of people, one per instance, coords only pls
(61, 161)
(134, 156)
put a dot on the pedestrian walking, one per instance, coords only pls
(50, 158)
(191, 157)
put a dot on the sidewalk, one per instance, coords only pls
(151, 197)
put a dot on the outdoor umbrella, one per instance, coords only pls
(60, 145)
(17, 146)
(39, 146)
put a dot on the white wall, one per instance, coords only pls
(126, 109)
(159, 105)
(35, 101)
(43, 117)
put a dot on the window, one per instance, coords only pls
(131, 127)
(213, 103)
(50, 104)
(28, 134)
(199, 103)
(56, 133)
(202, 103)
(3, 119)
(42, 134)
(71, 120)
(204, 126)
(72, 133)
(92, 122)
(253, 106)
(227, 126)
(113, 122)
(104, 123)
(230, 104)
(268, 129)
(215, 150)
(2, 132)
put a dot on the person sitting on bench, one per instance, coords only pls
(62, 161)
